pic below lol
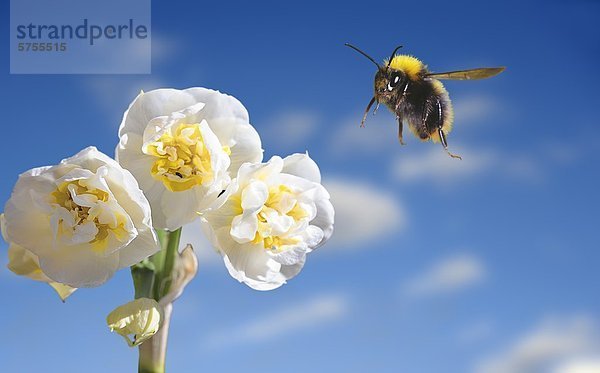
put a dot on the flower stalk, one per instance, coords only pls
(164, 261)
(153, 278)
(152, 353)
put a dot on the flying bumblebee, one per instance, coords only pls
(416, 96)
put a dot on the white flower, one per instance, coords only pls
(23, 263)
(83, 219)
(136, 321)
(275, 214)
(183, 146)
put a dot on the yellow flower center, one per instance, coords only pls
(87, 214)
(282, 206)
(182, 159)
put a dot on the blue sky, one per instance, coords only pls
(435, 265)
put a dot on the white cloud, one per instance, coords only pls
(585, 365)
(434, 166)
(290, 128)
(379, 135)
(363, 212)
(474, 109)
(559, 345)
(319, 311)
(448, 276)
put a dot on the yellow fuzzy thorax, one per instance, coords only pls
(412, 66)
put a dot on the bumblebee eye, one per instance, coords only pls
(393, 81)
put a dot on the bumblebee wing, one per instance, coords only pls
(472, 74)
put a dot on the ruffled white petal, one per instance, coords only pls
(303, 166)
(324, 219)
(251, 265)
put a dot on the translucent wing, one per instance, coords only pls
(472, 74)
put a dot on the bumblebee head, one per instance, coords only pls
(387, 78)
(387, 82)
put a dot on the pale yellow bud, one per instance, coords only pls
(136, 321)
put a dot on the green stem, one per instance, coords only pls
(164, 261)
(143, 279)
(152, 278)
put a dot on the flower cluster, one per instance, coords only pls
(182, 155)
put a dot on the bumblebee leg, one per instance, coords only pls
(362, 122)
(425, 133)
(441, 132)
(376, 108)
(399, 119)
(445, 144)
(442, 135)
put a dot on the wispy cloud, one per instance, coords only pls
(582, 365)
(475, 109)
(476, 332)
(448, 276)
(434, 166)
(363, 212)
(295, 318)
(557, 344)
(290, 129)
(379, 135)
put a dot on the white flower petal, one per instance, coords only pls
(303, 166)
(291, 256)
(290, 271)
(324, 219)
(149, 105)
(278, 223)
(241, 138)
(178, 208)
(251, 265)
(143, 246)
(254, 196)
(77, 266)
(260, 171)
(244, 227)
(218, 105)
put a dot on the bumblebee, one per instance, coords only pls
(416, 95)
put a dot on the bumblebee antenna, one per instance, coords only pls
(363, 53)
(393, 54)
